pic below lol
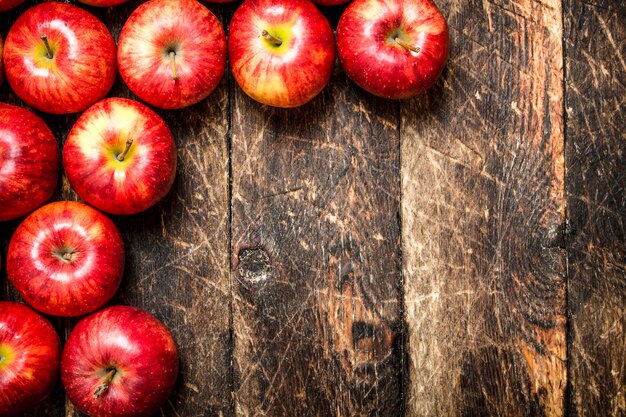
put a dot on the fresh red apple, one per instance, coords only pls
(172, 53)
(120, 156)
(393, 48)
(282, 52)
(103, 3)
(1, 66)
(66, 259)
(29, 162)
(329, 2)
(30, 352)
(59, 58)
(121, 362)
(9, 4)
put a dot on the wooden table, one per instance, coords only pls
(459, 254)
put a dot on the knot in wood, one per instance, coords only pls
(254, 265)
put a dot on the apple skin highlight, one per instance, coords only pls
(30, 162)
(92, 151)
(132, 348)
(370, 38)
(66, 259)
(154, 31)
(83, 65)
(30, 352)
(289, 74)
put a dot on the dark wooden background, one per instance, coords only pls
(458, 254)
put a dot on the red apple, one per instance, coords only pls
(30, 352)
(172, 53)
(120, 156)
(281, 52)
(1, 66)
(329, 2)
(103, 3)
(120, 362)
(66, 259)
(29, 162)
(393, 48)
(9, 4)
(59, 58)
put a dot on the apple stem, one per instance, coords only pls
(275, 40)
(173, 61)
(121, 156)
(106, 383)
(407, 45)
(49, 53)
(68, 256)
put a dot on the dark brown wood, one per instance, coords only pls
(595, 51)
(315, 204)
(483, 216)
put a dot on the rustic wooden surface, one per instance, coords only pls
(483, 216)
(316, 256)
(457, 254)
(595, 68)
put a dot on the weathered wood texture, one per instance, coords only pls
(177, 253)
(595, 58)
(291, 294)
(315, 220)
(483, 216)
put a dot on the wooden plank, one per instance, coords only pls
(315, 204)
(483, 215)
(595, 51)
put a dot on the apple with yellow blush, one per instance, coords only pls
(282, 52)
(59, 58)
(120, 156)
(30, 352)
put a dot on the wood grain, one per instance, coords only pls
(595, 41)
(315, 204)
(483, 216)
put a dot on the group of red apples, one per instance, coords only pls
(67, 258)
(171, 54)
